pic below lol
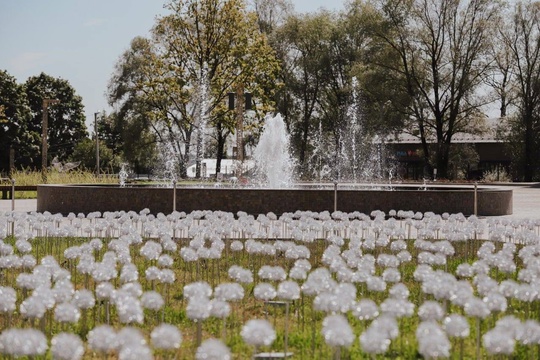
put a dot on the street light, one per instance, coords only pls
(243, 102)
(97, 143)
(44, 147)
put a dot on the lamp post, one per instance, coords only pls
(97, 143)
(45, 128)
(243, 102)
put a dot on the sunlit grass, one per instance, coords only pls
(305, 338)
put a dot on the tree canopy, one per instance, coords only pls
(198, 53)
(66, 120)
(14, 119)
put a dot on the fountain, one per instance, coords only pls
(274, 165)
(122, 175)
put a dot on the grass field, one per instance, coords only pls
(134, 251)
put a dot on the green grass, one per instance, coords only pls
(304, 321)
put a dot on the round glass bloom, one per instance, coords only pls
(8, 299)
(32, 308)
(229, 292)
(165, 261)
(391, 275)
(510, 325)
(373, 341)
(397, 307)
(135, 352)
(133, 288)
(272, 273)
(365, 309)
(166, 337)
(264, 291)
(198, 308)
(386, 325)
(297, 273)
(432, 341)
(288, 290)
(67, 313)
(456, 325)
(430, 310)
(152, 300)
(477, 308)
(104, 291)
(337, 332)
(23, 342)
(151, 250)
(498, 342)
(84, 299)
(219, 308)
(213, 349)
(529, 333)
(128, 308)
(167, 276)
(67, 346)
(496, 301)
(129, 273)
(258, 332)
(241, 275)
(399, 291)
(197, 290)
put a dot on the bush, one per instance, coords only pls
(496, 176)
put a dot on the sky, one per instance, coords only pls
(81, 40)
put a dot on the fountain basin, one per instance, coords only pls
(438, 199)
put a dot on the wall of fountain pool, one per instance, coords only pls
(315, 197)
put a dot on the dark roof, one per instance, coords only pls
(488, 136)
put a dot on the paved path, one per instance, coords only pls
(526, 202)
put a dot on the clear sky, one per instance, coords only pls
(81, 40)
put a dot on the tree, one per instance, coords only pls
(205, 47)
(501, 76)
(14, 116)
(522, 37)
(442, 47)
(85, 153)
(66, 120)
(304, 43)
(129, 131)
(271, 13)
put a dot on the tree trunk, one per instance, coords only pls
(443, 151)
(220, 147)
(528, 171)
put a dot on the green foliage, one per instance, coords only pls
(77, 176)
(161, 79)
(443, 48)
(85, 152)
(66, 120)
(14, 117)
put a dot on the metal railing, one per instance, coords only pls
(12, 181)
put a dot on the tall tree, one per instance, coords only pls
(15, 139)
(129, 130)
(304, 43)
(209, 47)
(442, 46)
(522, 37)
(501, 76)
(66, 120)
(271, 13)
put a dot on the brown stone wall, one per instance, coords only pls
(88, 198)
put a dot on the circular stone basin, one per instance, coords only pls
(314, 197)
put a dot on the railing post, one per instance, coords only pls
(475, 198)
(174, 196)
(12, 194)
(335, 195)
